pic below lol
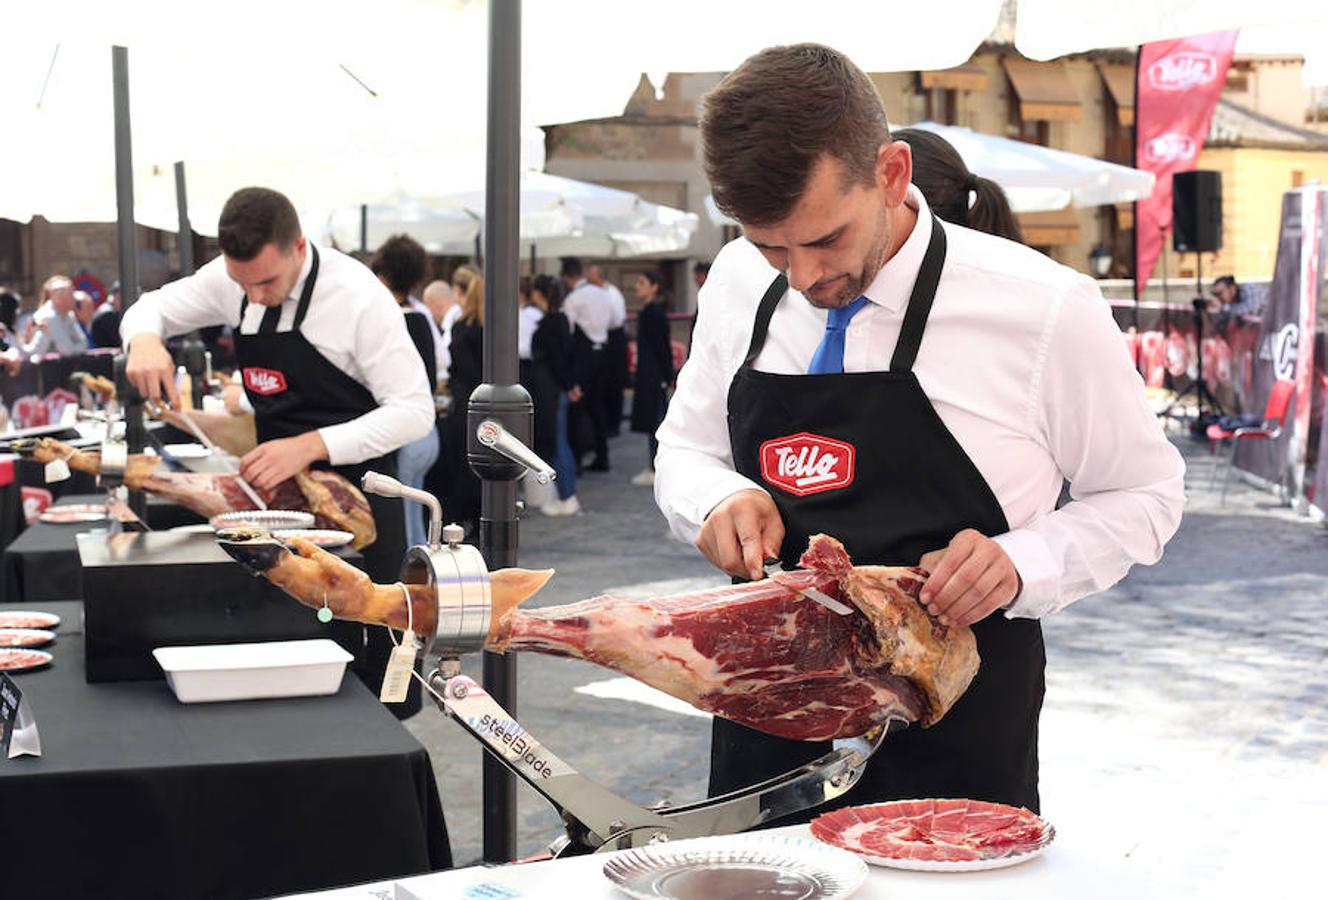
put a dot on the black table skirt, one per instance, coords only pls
(42, 564)
(139, 795)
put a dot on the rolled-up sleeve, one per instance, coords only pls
(694, 465)
(1127, 481)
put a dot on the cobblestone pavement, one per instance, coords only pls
(1186, 719)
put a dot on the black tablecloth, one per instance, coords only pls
(139, 795)
(42, 563)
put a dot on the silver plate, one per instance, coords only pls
(264, 518)
(740, 865)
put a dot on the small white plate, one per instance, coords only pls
(14, 660)
(739, 865)
(196, 528)
(25, 637)
(264, 518)
(322, 537)
(69, 513)
(187, 451)
(26, 618)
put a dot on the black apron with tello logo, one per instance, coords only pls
(864, 457)
(294, 389)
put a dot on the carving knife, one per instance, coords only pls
(811, 593)
(223, 455)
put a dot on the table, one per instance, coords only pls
(42, 563)
(1065, 870)
(139, 795)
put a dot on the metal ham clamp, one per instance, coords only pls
(595, 818)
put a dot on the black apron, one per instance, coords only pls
(294, 389)
(900, 486)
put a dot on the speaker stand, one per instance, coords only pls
(1198, 386)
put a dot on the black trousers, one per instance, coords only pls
(591, 411)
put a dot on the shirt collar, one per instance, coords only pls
(892, 285)
(308, 264)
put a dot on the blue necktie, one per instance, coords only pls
(829, 356)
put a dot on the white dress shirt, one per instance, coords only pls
(618, 311)
(591, 309)
(1024, 365)
(353, 320)
(57, 333)
(527, 321)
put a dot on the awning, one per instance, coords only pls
(1049, 229)
(1119, 78)
(1044, 90)
(968, 77)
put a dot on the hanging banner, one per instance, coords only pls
(1286, 345)
(1179, 84)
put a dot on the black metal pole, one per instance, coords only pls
(186, 238)
(364, 228)
(127, 248)
(1134, 232)
(127, 244)
(500, 398)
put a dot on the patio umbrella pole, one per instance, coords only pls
(500, 398)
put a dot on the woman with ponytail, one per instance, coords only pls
(954, 193)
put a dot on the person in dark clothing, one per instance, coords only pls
(654, 367)
(400, 265)
(551, 379)
(462, 504)
(106, 320)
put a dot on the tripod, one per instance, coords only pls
(1198, 387)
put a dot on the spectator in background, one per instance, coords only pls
(528, 317)
(11, 355)
(1229, 300)
(443, 306)
(700, 272)
(106, 319)
(551, 379)
(954, 193)
(84, 309)
(589, 310)
(466, 374)
(399, 265)
(57, 329)
(615, 352)
(654, 367)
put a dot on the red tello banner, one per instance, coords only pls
(1180, 82)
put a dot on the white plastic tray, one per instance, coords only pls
(207, 674)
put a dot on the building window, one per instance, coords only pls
(943, 106)
(1030, 131)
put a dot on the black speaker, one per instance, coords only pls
(1196, 208)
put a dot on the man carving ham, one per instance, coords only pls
(966, 375)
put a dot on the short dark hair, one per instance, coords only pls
(940, 174)
(1225, 279)
(769, 121)
(702, 267)
(551, 288)
(401, 262)
(254, 217)
(571, 267)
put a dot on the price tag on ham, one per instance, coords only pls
(57, 470)
(400, 666)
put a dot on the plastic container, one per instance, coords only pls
(207, 674)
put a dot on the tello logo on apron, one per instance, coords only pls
(264, 382)
(806, 463)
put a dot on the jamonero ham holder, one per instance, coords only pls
(831, 651)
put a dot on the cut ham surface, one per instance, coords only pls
(763, 655)
(334, 501)
(934, 830)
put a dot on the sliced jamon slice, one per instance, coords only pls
(953, 831)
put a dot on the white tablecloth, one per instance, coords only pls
(1064, 870)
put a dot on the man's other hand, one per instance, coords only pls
(272, 462)
(741, 533)
(151, 369)
(970, 579)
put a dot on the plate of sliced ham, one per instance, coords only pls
(22, 618)
(74, 512)
(18, 660)
(319, 537)
(25, 637)
(937, 835)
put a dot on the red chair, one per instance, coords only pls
(1274, 417)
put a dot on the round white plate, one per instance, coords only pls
(196, 528)
(187, 451)
(739, 865)
(74, 512)
(24, 618)
(271, 519)
(323, 537)
(25, 637)
(21, 660)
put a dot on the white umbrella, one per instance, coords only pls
(1042, 178)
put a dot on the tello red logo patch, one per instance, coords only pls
(1171, 147)
(264, 382)
(806, 463)
(1182, 71)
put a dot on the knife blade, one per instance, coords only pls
(811, 593)
(224, 457)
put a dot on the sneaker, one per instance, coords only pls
(555, 508)
(572, 506)
(644, 478)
